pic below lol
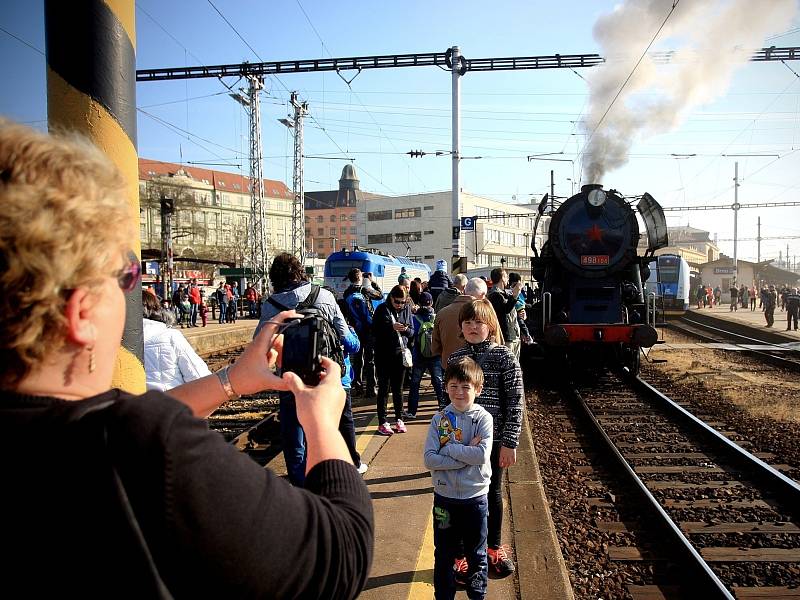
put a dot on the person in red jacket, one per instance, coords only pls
(194, 303)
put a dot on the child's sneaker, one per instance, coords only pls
(385, 429)
(499, 562)
(460, 568)
(400, 427)
(362, 468)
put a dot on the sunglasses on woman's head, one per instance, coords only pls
(129, 276)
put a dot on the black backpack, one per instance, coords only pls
(328, 343)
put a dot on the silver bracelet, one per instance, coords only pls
(225, 382)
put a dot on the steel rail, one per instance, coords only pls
(778, 361)
(706, 583)
(786, 489)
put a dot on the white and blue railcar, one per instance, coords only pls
(669, 281)
(385, 269)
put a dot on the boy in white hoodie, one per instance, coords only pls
(457, 451)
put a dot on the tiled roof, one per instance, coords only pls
(220, 180)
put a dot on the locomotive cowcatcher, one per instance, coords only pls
(590, 310)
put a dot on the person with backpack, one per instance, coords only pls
(358, 298)
(424, 358)
(290, 290)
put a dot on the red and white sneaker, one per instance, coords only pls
(400, 427)
(385, 429)
(500, 563)
(460, 568)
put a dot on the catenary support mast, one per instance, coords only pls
(298, 207)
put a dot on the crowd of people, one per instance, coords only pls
(769, 297)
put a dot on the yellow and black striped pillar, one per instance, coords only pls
(91, 88)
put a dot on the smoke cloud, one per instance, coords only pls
(708, 39)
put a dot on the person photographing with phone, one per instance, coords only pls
(393, 333)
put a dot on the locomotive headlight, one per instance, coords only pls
(596, 197)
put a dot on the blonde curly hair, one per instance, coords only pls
(64, 222)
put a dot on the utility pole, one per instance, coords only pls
(167, 210)
(257, 242)
(298, 208)
(456, 61)
(735, 219)
(758, 239)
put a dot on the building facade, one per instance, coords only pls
(212, 213)
(419, 226)
(331, 216)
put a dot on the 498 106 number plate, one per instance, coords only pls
(594, 259)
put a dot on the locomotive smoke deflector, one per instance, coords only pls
(654, 221)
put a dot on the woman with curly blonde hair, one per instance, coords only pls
(124, 496)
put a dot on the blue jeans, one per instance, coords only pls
(192, 314)
(433, 365)
(222, 309)
(293, 440)
(459, 524)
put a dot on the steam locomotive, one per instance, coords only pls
(590, 308)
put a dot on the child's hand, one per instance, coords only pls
(475, 441)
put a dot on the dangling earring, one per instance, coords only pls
(91, 359)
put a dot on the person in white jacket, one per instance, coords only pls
(169, 360)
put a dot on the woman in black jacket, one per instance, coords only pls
(393, 331)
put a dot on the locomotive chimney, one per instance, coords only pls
(591, 186)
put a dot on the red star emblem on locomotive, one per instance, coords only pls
(595, 234)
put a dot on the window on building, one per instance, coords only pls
(352, 216)
(380, 238)
(320, 231)
(408, 236)
(431, 232)
(379, 215)
(321, 244)
(407, 213)
(308, 232)
(343, 217)
(333, 218)
(353, 231)
(429, 257)
(320, 218)
(342, 230)
(332, 231)
(428, 208)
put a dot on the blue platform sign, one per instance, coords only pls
(467, 223)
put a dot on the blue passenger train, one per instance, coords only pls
(669, 281)
(385, 269)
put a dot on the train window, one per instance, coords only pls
(341, 268)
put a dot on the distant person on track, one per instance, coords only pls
(457, 452)
(131, 496)
(169, 359)
(792, 308)
(503, 396)
(770, 302)
(734, 298)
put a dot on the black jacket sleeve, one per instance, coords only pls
(232, 529)
(503, 303)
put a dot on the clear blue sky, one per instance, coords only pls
(386, 113)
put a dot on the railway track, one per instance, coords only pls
(778, 354)
(696, 512)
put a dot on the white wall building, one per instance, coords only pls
(420, 226)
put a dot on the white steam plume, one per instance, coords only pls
(710, 39)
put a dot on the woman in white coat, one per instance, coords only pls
(169, 360)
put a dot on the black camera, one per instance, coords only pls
(301, 341)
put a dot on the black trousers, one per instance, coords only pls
(791, 314)
(390, 372)
(495, 497)
(364, 364)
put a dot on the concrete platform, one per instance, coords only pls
(402, 496)
(215, 336)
